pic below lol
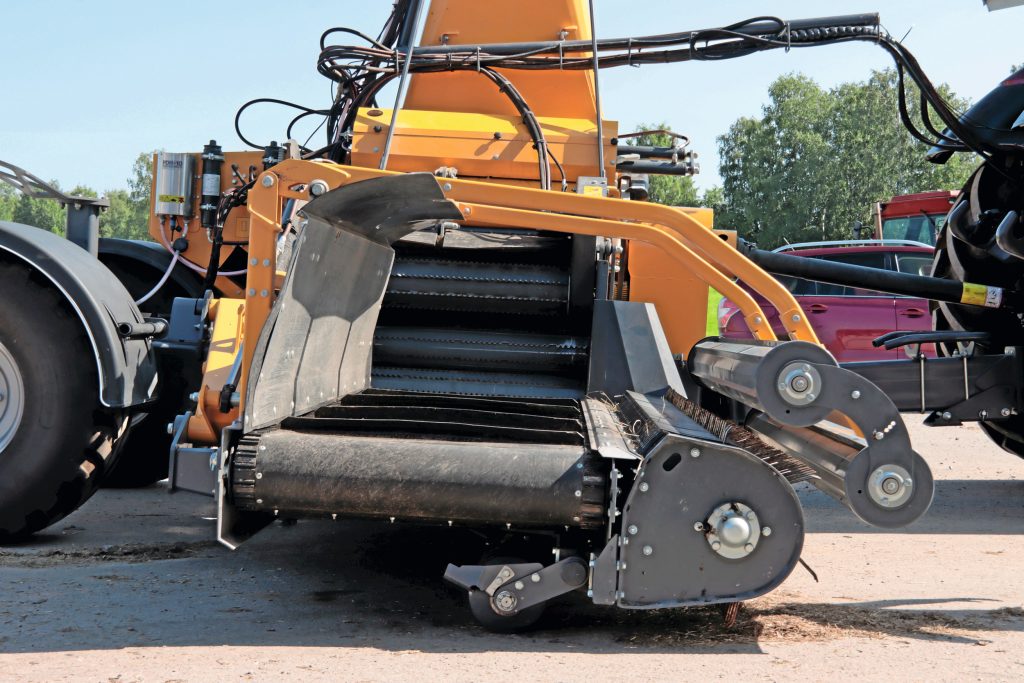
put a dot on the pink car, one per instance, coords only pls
(847, 319)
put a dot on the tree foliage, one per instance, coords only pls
(815, 160)
(127, 217)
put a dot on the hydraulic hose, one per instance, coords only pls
(889, 281)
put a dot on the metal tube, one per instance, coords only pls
(403, 82)
(597, 93)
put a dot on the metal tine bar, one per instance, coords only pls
(446, 414)
(419, 428)
(419, 396)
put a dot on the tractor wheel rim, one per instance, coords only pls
(12, 397)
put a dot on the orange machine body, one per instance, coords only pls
(461, 123)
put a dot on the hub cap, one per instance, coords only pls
(12, 397)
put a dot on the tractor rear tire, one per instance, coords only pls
(56, 440)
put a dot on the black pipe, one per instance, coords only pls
(153, 327)
(658, 167)
(757, 28)
(650, 151)
(889, 281)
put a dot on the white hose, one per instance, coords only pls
(189, 264)
(163, 280)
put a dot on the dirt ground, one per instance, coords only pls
(132, 587)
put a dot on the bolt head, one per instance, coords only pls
(170, 428)
(519, 585)
(632, 529)
(749, 547)
(268, 181)
(947, 416)
(698, 526)
(1005, 412)
(766, 531)
(796, 318)
(647, 550)
(535, 578)
(644, 486)
(855, 394)
(694, 452)
(715, 545)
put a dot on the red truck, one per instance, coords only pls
(916, 217)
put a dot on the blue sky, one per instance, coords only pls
(89, 84)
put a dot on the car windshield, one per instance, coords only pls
(920, 228)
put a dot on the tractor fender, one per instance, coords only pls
(126, 367)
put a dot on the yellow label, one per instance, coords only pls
(171, 199)
(593, 191)
(980, 295)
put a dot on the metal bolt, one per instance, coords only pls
(579, 493)
(908, 483)
(694, 452)
(715, 545)
(579, 466)
(259, 475)
(252, 292)
(947, 415)
(254, 261)
(170, 428)
(766, 531)
(698, 526)
(467, 210)
(535, 578)
(891, 486)
(519, 585)
(447, 187)
(505, 601)
(317, 188)
(800, 383)
(855, 394)
(266, 262)
(758, 320)
(879, 436)
(796, 318)
(264, 292)
(259, 501)
(648, 550)
(748, 547)
(268, 181)
(632, 529)
(644, 486)
(1005, 412)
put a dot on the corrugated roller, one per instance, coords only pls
(794, 387)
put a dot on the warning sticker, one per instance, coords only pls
(171, 198)
(981, 295)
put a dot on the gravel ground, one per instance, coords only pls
(132, 587)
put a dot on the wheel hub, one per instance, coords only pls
(12, 397)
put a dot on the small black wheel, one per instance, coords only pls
(496, 621)
(56, 442)
(145, 454)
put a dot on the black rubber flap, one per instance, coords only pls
(316, 346)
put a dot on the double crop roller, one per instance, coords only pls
(833, 420)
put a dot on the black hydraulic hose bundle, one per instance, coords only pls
(360, 71)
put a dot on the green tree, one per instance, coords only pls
(128, 215)
(672, 190)
(8, 200)
(42, 213)
(816, 159)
